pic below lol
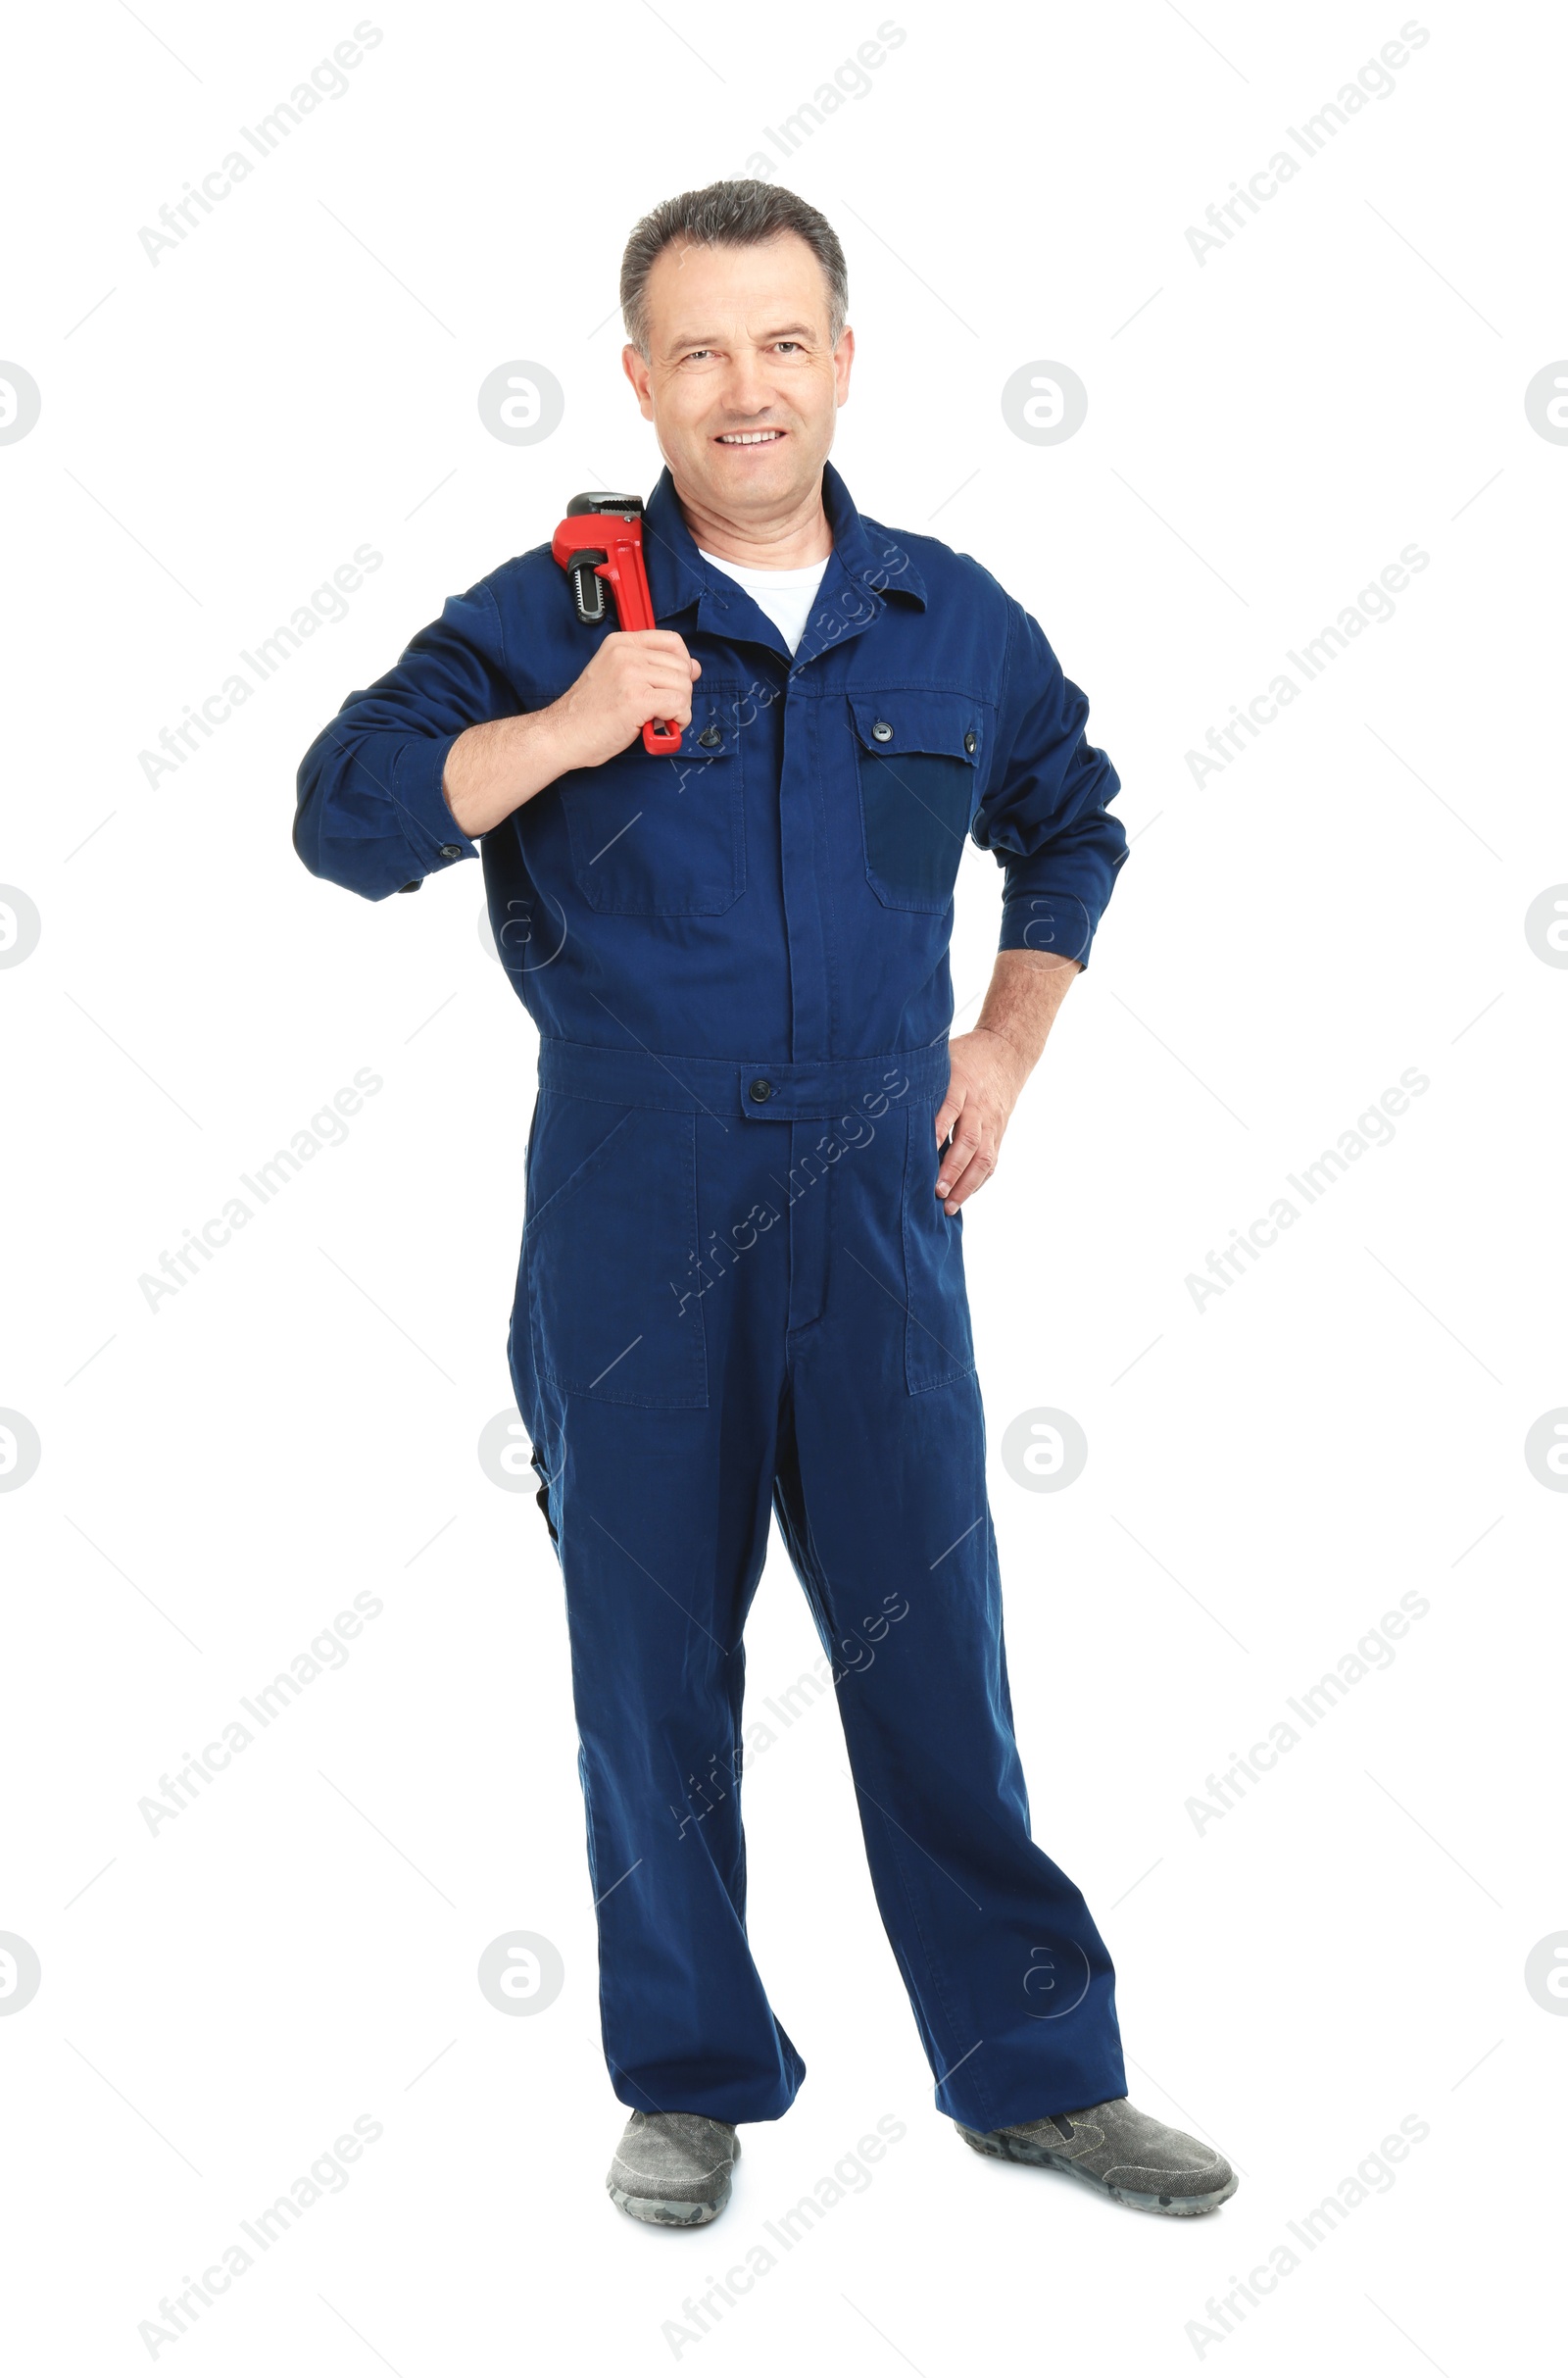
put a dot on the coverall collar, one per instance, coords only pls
(678, 576)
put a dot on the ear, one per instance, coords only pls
(636, 371)
(843, 358)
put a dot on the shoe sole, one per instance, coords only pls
(1141, 2199)
(668, 2213)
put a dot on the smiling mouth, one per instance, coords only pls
(748, 438)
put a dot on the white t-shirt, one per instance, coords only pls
(786, 595)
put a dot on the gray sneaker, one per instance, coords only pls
(674, 2168)
(1124, 2153)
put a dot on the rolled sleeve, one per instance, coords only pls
(372, 814)
(1044, 813)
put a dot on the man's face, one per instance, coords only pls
(741, 383)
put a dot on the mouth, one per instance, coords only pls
(749, 438)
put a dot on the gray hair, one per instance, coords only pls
(729, 215)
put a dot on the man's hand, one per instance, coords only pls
(492, 769)
(982, 1089)
(631, 679)
(991, 1065)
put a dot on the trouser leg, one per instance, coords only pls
(662, 1516)
(881, 1491)
(655, 1599)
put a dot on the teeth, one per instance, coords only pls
(749, 438)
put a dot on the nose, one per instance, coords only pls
(747, 390)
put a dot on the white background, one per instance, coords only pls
(1266, 430)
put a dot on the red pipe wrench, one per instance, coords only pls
(599, 543)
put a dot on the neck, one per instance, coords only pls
(790, 539)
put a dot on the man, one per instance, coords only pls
(741, 1288)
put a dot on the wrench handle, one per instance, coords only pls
(622, 566)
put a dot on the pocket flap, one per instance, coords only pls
(917, 720)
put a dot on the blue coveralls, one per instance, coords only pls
(738, 1292)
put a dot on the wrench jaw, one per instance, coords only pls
(624, 507)
(587, 587)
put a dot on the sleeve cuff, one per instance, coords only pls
(433, 835)
(1055, 922)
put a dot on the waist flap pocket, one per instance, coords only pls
(611, 1227)
(919, 755)
(657, 835)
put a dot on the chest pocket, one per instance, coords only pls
(919, 757)
(665, 836)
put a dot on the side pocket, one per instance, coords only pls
(608, 1233)
(938, 1343)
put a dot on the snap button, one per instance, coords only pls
(710, 736)
(881, 732)
(762, 1092)
(451, 850)
(970, 740)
